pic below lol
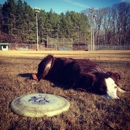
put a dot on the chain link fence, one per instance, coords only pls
(64, 46)
(109, 47)
(60, 43)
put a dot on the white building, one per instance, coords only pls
(4, 46)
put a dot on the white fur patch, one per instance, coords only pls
(111, 89)
(47, 68)
(49, 64)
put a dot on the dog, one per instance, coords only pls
(79, 74)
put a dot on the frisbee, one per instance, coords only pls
(39, 105)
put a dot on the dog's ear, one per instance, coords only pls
(99, 85)
(90, 80)
(115, 76)
(85, 81)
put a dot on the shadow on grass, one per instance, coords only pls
(26, 75)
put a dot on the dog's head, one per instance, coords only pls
(106, 84)
(112, 85)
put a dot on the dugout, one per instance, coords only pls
(79, 46)
(4, 46)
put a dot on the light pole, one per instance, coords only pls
(93, 33)
(37, 10)
(91, 10)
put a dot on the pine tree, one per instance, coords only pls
(8, 13)
(19, 20)
(42, 26)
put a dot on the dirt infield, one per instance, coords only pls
(87, 111)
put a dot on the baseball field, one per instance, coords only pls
(87, 110)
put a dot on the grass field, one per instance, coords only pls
(87, 111)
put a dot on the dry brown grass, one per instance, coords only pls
(95, 55)
(87, 111)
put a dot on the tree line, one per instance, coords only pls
(111, 26)
(18, 20)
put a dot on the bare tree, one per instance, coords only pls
(112, 25)
(0, 18)
(123, 23)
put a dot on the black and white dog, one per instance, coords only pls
(79, 74)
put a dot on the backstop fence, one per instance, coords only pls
(60, 43)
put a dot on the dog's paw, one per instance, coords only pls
(34, 76)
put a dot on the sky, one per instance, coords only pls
(60, 6)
